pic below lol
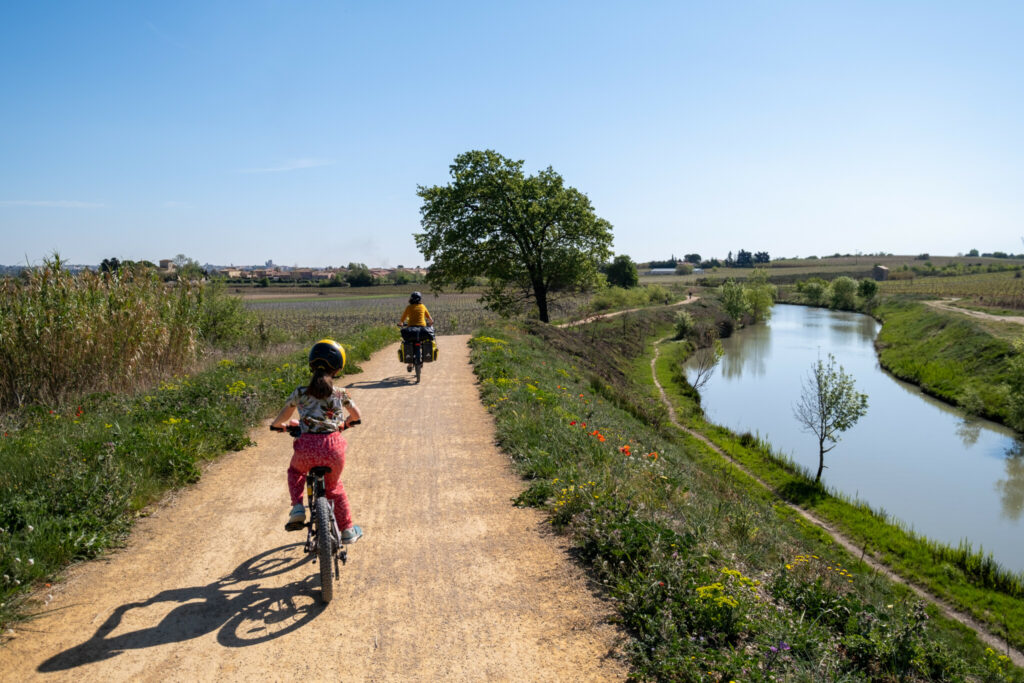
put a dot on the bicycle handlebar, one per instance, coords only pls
(295, 431)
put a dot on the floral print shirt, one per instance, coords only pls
(320, 415)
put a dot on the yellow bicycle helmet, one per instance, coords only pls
(328, 355)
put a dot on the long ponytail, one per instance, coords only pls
(320, 384)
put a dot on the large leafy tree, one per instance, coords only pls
(759, 295)
(843, 290)
(358, 275)
(733, 301)
(532, 237)
(622, 272)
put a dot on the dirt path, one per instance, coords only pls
(876, 565)
(947, 305)
(451, 582)
(688, 300)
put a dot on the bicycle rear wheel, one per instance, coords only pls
(324, 548)
(419, 369)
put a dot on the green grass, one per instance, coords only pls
(966, 578)
(72, 480)
(948, 356)
(708, 573)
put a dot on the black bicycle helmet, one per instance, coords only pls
(415, 298)
(328, 355)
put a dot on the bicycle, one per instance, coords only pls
(323, 537)
(412, 352)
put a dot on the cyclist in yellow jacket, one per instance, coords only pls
(416, 315)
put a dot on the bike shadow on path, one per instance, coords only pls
(247, 614)
(386, 383)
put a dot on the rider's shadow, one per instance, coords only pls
(386, 383)
(245, 615)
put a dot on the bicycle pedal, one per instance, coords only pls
(294, 526)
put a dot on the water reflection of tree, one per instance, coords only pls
(747, 352)
(1012, 488)
(968, 430)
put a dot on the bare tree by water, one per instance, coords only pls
(829, 405)
(705, 360)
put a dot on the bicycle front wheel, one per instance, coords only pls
(325, 548)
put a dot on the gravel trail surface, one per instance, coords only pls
(451, 582)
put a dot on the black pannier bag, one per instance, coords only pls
(424, 335)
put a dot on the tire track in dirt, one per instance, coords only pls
(451, 581)
(870, 560)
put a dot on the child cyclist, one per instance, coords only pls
(416, 315)
(320, 407)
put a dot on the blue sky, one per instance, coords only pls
(236, 132)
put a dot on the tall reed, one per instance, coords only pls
(63, 334)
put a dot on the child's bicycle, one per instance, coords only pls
(323, 538)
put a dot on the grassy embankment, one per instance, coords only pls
(949, 356)
(971, 581)
(110, 418)
(712, 577)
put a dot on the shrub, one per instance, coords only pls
(684, 325)
(63, 334)
(867, 288)
(843, 289)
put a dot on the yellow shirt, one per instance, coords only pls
(415, 315)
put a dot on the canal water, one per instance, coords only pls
(944, 475)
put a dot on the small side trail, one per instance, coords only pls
(946, 608)
(450, 583)
(576, 323)
(947, 305)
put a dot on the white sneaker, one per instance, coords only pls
(296, 518)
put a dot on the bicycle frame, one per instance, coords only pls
(316, 489)
(320, 506)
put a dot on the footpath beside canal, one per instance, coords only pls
(999, 644)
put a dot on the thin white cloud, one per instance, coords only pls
(58, 203)
(291, 165)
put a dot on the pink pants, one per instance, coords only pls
(317, 450)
